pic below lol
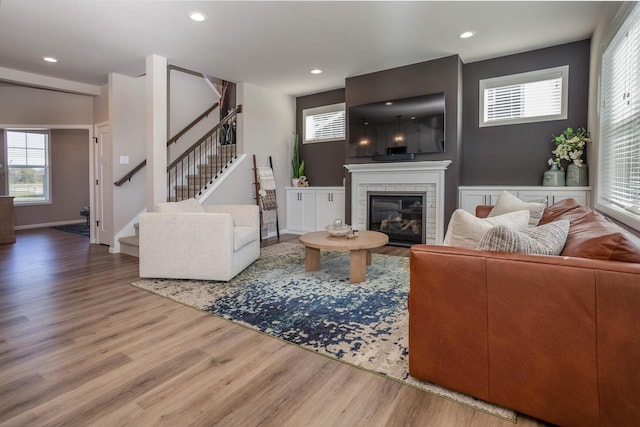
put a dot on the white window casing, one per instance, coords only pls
(618, 189)
(535, 96)
(28, 160)
(324, 124)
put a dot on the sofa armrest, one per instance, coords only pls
(485, 323)
(243, 215)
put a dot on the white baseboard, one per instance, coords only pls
(50, 224)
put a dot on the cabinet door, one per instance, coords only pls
(329, 206)
(535, 196)
(300, 210)
(579, 195)
(469, 199)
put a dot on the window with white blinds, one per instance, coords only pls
(28, 166)
(619, 141)
(323, 124)
(523, 98)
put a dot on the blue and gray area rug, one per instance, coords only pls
(364, 324)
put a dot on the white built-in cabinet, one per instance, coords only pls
(313, 208)
(471, 196)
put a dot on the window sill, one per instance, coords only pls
(39, 203)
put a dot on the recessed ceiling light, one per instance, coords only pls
(197, 16)
(388, 103)
(316, 71)
(467, 34)
(49, 59)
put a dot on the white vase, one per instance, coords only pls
(294, 182)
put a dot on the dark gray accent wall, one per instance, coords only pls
(440, 75)
(518, 154)
(323, 161)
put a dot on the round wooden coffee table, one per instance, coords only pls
(358, 247)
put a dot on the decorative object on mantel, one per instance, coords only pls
(296, 162)
(554, 177)
(570, 146)
(303, 182)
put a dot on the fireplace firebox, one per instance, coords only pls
(398, 215)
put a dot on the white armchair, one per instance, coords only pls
(215, 243)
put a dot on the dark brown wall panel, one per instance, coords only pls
(518, 154)
(440, 75)
(324, 161)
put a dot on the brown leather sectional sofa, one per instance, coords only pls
(555, 337)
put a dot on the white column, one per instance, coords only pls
(156, 124)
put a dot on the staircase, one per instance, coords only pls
(207, 173)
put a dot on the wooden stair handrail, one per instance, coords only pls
(188, 127)
(129, 175)
(143, 163)
(222, 122)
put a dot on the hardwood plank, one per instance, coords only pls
(80, 346)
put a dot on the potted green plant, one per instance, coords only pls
(296, 162)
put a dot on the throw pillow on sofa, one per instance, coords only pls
(546, 239)
(507, 202)
(466, 230)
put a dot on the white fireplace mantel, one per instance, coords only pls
(402, 176)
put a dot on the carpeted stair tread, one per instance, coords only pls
(130, 245)
(130, 240)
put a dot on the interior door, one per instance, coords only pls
(102, 212)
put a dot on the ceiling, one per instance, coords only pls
(275, 44)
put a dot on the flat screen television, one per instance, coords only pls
(398, 128)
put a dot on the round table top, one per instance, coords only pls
(366, 240)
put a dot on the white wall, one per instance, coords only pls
(127, 117)
(189, 96)
(265, 128)
(101, 105)
(29, 106)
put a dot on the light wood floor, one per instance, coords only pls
(80, 346)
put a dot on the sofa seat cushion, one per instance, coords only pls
(242, 236)
(591, 235)
(546, 239)
(507, 203)
(466, 230)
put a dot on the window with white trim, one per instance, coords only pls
(619, 141)
(324, 124)
(28, 166)
(536, 96)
